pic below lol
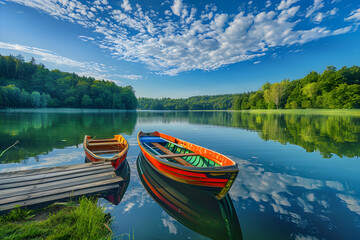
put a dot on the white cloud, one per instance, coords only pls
(86, 38)
(169, 222)
(293, 197)
(354, 15)
(342, 30)
(318, 4)
(45, 55)
(303, 237)
(88, 69)
(126, 5)
(333, 11)
(257, 62)
(284, 4)
(177, 7)
(268, 3)
(130, 76)
(319, 17)
(351, 202)
(207, 40)
(128, 207)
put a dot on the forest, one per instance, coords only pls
(31, 85)
(331, 89)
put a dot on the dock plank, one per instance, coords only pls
(52, 174)
(57, 197)
(54, 185)
(57, 191)
(52, 179)
(42, 185)
(5, 175)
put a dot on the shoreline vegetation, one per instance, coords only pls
(309, 111)
(82, 219)
(30, 85)
(331, 89)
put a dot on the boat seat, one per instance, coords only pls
(102, 140)
(105, 143)
(148, 139)
(165, 150)
(107, 151)
(177, 155)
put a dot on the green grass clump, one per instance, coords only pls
(305, 111)
(72, 221)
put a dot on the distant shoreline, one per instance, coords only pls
(265, 111)
(64, 110)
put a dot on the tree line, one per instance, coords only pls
(30, 85)
(217, 102)
(331, 89)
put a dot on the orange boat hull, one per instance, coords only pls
(217, 180)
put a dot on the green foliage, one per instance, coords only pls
(35, 131)
(86, 101)
(218, 102)
(84, 221)
(17, 214)
(331, 89)
(27, 84)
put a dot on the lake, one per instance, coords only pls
(298, 179)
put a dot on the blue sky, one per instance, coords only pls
(180, 48)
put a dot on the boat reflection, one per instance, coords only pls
(115, 196)
(197, 210)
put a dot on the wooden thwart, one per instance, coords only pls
(177, 155)
(165, 150)
(103, 140)
(107, 151)
(104, 144)
(57, 183)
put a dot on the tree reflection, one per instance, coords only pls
(41, 132)
(328, 134)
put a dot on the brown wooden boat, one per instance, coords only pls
(113, 150)
(188, 163)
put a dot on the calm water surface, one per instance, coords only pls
(299, 174)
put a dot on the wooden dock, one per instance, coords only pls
(46, 185)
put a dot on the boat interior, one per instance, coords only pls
(106, 147)
(175, 153)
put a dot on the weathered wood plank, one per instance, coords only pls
(55, 185)
(177, 155)
(22, 173)
(107, 151)
(178, 159)
(54, 174)
(58, 191)
(105, 143)
(57, 197)
(52, 179)
(103, 140)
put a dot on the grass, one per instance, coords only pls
(82, 220)
(306, 111)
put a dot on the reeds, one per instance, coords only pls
(82, 220)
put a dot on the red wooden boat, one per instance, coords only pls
(188, 163)
(197, 210)
(111, 149)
